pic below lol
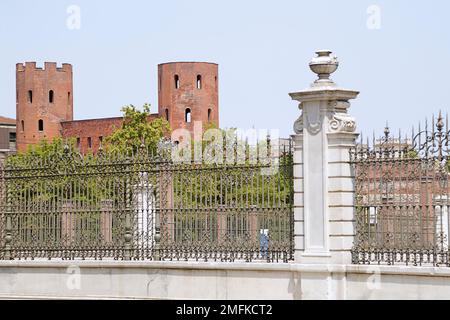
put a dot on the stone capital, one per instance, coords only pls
(324, 93)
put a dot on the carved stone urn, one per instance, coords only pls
(324, 65)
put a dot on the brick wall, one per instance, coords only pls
(93, 130)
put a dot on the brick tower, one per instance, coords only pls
(44, 98)
(188, 92)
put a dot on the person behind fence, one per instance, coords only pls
(264, 242)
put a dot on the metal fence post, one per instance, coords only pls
(128, 237)
(157, 210)
(8, 238)
(157, 256)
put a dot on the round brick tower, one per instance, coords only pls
(44, 98)
(187, 93)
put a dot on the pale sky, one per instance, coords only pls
(402, 69)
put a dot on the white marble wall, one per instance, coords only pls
(199, 280)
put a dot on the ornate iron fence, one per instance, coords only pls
(145, 206)
(403, 197)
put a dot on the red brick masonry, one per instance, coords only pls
(187, 92)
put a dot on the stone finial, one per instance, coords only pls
(324, 65)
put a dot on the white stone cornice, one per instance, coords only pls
(324, 93)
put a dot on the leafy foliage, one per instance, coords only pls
(137, 130)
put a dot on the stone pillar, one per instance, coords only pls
(323, 180)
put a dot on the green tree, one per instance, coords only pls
(137, 129)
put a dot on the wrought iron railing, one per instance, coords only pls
(403, 198)
(145, 206)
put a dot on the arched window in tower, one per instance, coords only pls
(68, 98)
(22, 124)
(187, 115)
(41, 125)
(167, 114)
(177, 82)
(50, 96)
(199, 81)
(209, 114)
(30, 96)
